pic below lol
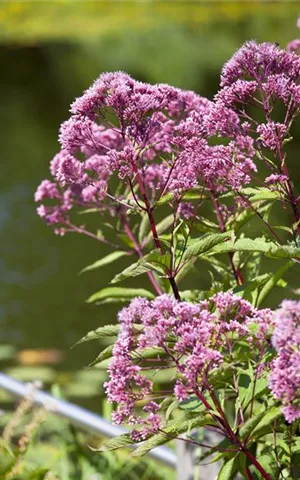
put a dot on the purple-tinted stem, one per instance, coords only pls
(260, 216)
(83, 231)
(158, 245)
(138, 250)
(235, 440)
(249, 474)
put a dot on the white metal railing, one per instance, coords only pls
(78, 416)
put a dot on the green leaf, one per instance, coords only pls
(101, 332)
(267, 421)
(165, 199)
(204, 245)
(144, 228)
(111, 257)
(122, 441)
(228, 470)
(173, 406)
(261, 193)
(250, 424)
(170, 432)
(250, 290)
(153, 261)
(261, 387)
(104, 355)
(88, 210)
(267, 460)
(119, 292)
(185, 269)
(258, 245)
(192, 404)
(283, 251)
(245, 245)
(134, 270)
(191, 295)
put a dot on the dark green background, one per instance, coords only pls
(49, 53)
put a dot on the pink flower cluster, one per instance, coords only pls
(153, 137)
(192, 339)
(259, 75)
(285, 375)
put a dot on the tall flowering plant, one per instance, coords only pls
(175, 178)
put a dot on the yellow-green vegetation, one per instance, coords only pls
(33, 21)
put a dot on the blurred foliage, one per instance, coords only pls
(35, 21)
(80, 385)
(37, 445)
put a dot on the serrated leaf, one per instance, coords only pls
(244, 245)
(258, 245)
(283, 251)
(134, 270)
(204, 245)
(104, 355)
(260, 193)
(267, 460)
(111, 257)
(122, 441)
(153, 261)
(101, 332)
(119, 292)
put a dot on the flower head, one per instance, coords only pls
(190, 338)
(285, 375)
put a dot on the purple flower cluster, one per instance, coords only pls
(285, 376)
(258, 75)
(153, 137)
(191, 338)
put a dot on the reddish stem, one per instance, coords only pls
(256, 464)
(235, 440)
(149, 210)
(249, 474)
(138, 250)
